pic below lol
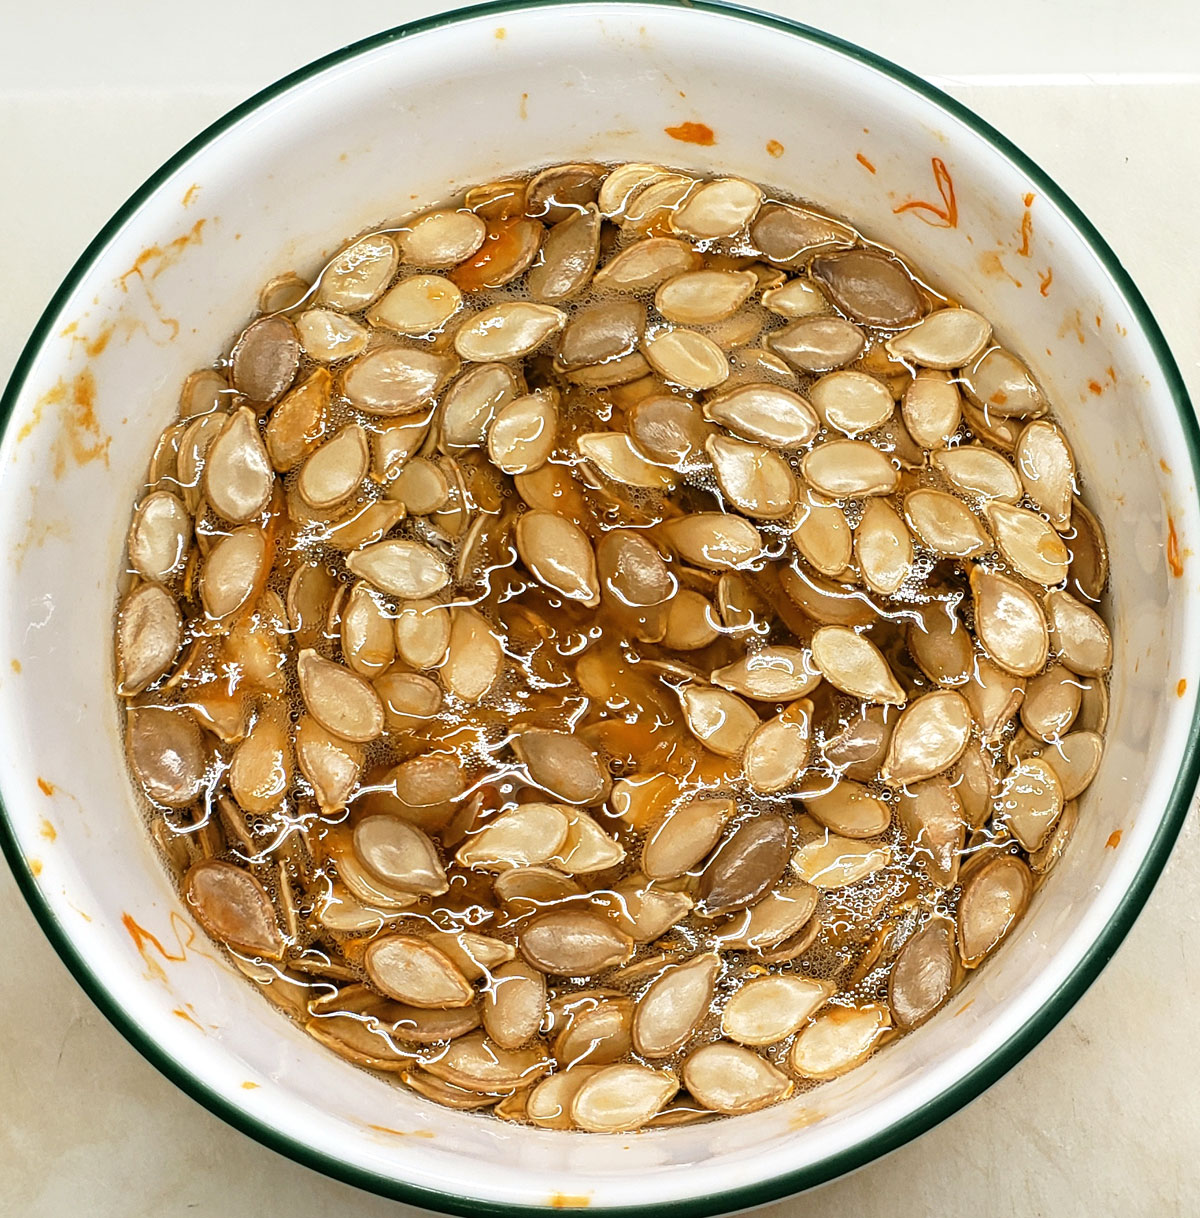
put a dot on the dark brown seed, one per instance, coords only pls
(751, 860)
(870, 286)
(265, 359)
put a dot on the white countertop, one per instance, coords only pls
(1104, 1116)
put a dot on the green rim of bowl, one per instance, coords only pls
(960, 1092)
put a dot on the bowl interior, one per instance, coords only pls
(374, 136)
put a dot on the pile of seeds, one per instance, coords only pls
(614, 649)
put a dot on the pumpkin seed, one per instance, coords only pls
(721, 721)
(991, 429)
(587, 848)
(1029, 543)
(622, 184)
(394, 380)
(833, 861)
(994, 695)
(442, 238)
(767, 923)
(233, 571)
(684, 836)
(408, 698)
(719, 208)
(621, 1097)
(328, 336)
(756, 480)
(714, 540)
(1009, 623)
(618, 458)
(944, 525)
(869, 286)
(849, 469)
(413, 971)
(687, 358)
(824, 601)
(1051, 703)
(446, 1094)
(509, 247)
(563, 190)
(999, 384)
(732, 1079)
(1075, 758)
(1044, 860)
(767, 1010)
(549, 1103)
(883, 548)
(525, 836)
(238, 478)
(523, 433)
(159, 536)
(422, 630)
(979, 471)
(646, 264)
(947, 338)
(558, 554)
(167, 754)
(233, 907)
(399, 855)
(766, 413)
(698, 298)
(1081, 639)
(818, 344)
(838, 1039)
(770, 674)
(669, 1013)
(994, 896)
(848, 809)
(796, 298)
(474, 955)
(1046, 466)
(931, 408)
(691, 622)
(851, 402)
(669, 430)
(203, 392)
(400, 567)
(923, 973)
(514, 1004)
(573, 943)
(1089, 554)
(338, 699)
(359, 273)
(149, 635)
(474, 659)
(507, 331)
(644, 912)
(417, 305)
(929, 737)
(297, 425)
(333, 472)
(471, 404)
(650, 206)
(777, 753)
(260, 771)
(330, 764)
(935, 824)
(823, 535)
(479, 1064)
(789, 235)
(502, 200)
(749, 862)
(421, 486)
(858, 750)
(562, 764)
(1030, 801)
(568, 258)
(265, 358)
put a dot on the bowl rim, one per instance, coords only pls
(959, 1093)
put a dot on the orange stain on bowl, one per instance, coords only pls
(145, 940)
(249, 1086)
(16, 666)
(1181, 687)
(862, 160)
(46, 788)
(189, 195)
(1045, 279)
(693, 133)
(1174, 558)
(1166, 469)
(775, 148)
(501, 33)
(990, 263)
(1026, 227)
(1114, 840)
(568, 1201)
(944, 215)
(35, 867)
(184, 1015)
(48, 831)
(404, 1133)
(1095, 387)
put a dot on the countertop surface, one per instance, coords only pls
(1104, 1116)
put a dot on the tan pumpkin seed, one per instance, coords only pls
(1089, 554)
(851, 402)
(1079, 635)
(330, 764)
(778, 916)
(756, 480)
(400, 567)
(999, 384)
(621, 1097)
(474, 659)
(823, 535)
(994, 896)
(719, 208)
(558, 553)
(849, 469)
(549, 1103)
(525, 836)
(699, 298)
(837, 1040)
(1009, 623)
(602, 340)
(238, 478)
(417, 305)
(941, 646)
(1046, 465)
(618, 458)
(421, 486)
(777, 753)
(869, 286)
(327, 336)
(818, 344)
(824, 601)
(622, 184)
(994, 695)
(193, 449)
(858, 750)
(411, 970)
(446, 1094)
(159, 536)
(796, 298)
(687, 358)
(395, 380)
(767, 1010)
(596, 1028)
(646, 264)
(644, 912)
(523, 434)
(934, 822)
(1030, 801)
(991, 429)
(979, 471)
(399, 855)
(149, 635)
(883, 548)
(408, 698)
(587, 848)
(474, 955)
(721, 721)
(732, 1079)
(423, 633)
(509, 248)
(651, 205)
(691, 622)
(764, 412)
(297, 424)
(338, 699)
(1029, 543)
(837, 862)
(929, 737)
(932, 408)
(852, 663)
(668, 429)
(749, 862)
(471, 403)
(848, 809)
(310, 594)
(233, 907)
(507, 331)
(976, 784)
(265, 359)
(943, 524)
(672, 1009)
(563, 190)
(714, 540)
(333, 473)
(359, 273)
(573, 943)
(443, 238)
(1093, 707)
(203, 392)
(260, 771)
(513, 1004)
(561, 763)
(1051, 703)
(685, 836)
(923, 974)
(233, 571)
(167, 755)
(568, 257)
(789, 235)
(479, 1064)
(771, 674)
(948, 338)
(1075, 759)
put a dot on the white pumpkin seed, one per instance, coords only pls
(691, 622)
(777, 752)
(852, 663)
(1089, 554)
(328, 336)
(941, 646)
(837, 862)
(523, 434)
(411, 970)
(947, 338)
(719, 208)
(999, 384)
(400, 567)
(417, 305)
(789, 235)
(929, 737)
(796, 298)
(573, 943)
(471, 403)
(332, 765)
(443, 238)
(646, 264)
(699, 298)
(297, 425)
(507, 331)
(714, 540)
(932, 408)
(644, 912)
(851, 402)
(672, 1009)
(732, 1079)
(849, 469)
(979, 471)
(994, 896)
(823, 535)
(935, 824)
(923, 974)
(756, 480)
(549, 1102)
(1029, 543)
(400, 855)
(568, 258)
(621, 1097)
(944, 524)
(837, 1040)
(1046, 466)
(618, 458)
(333, 473)
(768, 922)
(883, 548)
(395, 380)
(338, 699)
(976, 784)
(558, 553)
(848, 809)
(474, 658)
(994, 696)
(149, 635)
(1009, 622)
(473, 954)
(480, 1064)
(359, 273)
(1051, 703)
(685, 836)
(818, 344)
(767, 1010)
(514, 1004)
(234, 571)
(526, 836)
(562, 764)
(869, 285)
(721, 721)
(1080, 638)
(1030, 801)
(1075, 759)
(233, 907)
(159, 536)
(687, 358)
(238, 478)
(764, 412)
(166, 754)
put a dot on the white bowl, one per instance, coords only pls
(377, 130)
